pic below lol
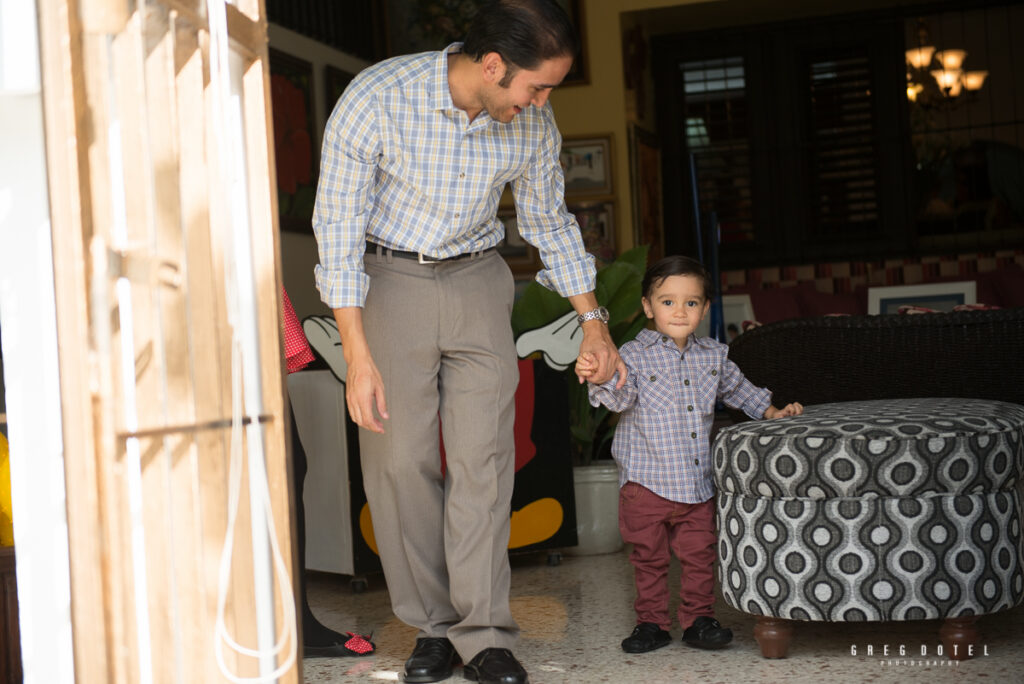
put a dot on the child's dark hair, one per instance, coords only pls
(676, 265)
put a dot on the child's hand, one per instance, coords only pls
(794, 409)
(586, 366)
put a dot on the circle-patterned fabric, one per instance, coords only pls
(906, 447)
(873, 510)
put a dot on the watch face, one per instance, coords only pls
(600, 314)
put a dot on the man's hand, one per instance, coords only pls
(597, 346)
(603, 357)
(794, 409)
(364, 391)
(364, 387)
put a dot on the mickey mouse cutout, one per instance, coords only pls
(543, 513)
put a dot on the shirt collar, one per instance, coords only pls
(440, 93)
(649, 338)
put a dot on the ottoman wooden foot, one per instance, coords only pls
(773, 635)
(958, 636)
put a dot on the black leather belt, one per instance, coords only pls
(372, 247)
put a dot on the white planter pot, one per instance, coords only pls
(597, 509)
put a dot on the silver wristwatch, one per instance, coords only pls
(600, 314)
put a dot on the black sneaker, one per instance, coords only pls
(705, 632)
(646, 636)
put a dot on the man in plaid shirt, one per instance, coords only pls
(415, 157)
(666, 495)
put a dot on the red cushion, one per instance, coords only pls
(776, 304)
(1010, 286)
(815, 303)
(988, 288)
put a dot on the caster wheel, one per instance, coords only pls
(554, 559)
(358, 586)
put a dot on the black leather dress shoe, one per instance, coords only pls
(495, 666)
(431, 661)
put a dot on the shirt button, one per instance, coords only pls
(694, 435)
(686, 382)
(690, 407)
(457, 215)
(653, 378)
(696, 461)
(462, 175)
(712, 372)
(664, 338)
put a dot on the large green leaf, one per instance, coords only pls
(536, 307)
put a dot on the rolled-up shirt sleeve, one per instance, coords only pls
(344, 198)
(545, 222)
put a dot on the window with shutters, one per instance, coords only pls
(842, 151)
(717, 135)
(783, 127)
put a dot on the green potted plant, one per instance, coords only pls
(618, 290)
(591, 428)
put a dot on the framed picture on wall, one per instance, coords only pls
(522, 257)
(291, 95)
(736, 309)
(937, 296)
(645, 178)
(587, 165)
(335, 82)
(579, 74)
(597, 227)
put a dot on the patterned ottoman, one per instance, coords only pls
(901, 509)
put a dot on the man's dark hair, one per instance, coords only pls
(676, 265)
(524, 32)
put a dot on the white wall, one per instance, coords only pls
(28, 327)
(298, 251)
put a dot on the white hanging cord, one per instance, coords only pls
(241, 313)
(224, 574)
(133, 456)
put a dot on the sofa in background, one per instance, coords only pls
(897, 495)
(788, 292)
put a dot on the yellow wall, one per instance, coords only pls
(600, 107)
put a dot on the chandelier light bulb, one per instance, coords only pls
(951, 60)
(949, 81)
(973, 80)
(920, 57)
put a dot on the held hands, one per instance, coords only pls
(586, 366)
(794, 409)
(599, 357)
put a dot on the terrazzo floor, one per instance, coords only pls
(573, 616)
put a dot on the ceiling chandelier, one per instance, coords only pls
(937, 77)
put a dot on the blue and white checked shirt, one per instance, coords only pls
(402, 166)
(668, 407)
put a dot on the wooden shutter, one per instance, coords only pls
(842, 154)
(143, 259)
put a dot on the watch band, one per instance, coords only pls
(600, 314)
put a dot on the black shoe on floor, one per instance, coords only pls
(495, 666)
(431, 661)
(705, 632)
(646, 636)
